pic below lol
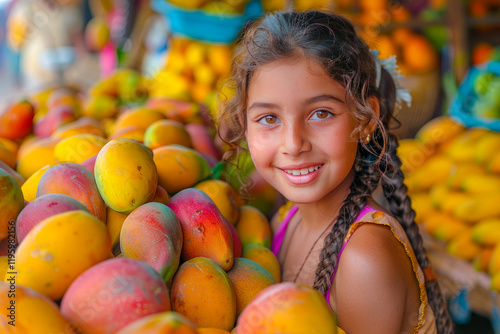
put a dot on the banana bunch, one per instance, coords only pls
(453, 178)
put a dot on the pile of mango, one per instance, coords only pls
(453, 177)
(115, 219)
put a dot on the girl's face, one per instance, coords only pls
(299, 129)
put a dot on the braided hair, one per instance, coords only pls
(332, 41)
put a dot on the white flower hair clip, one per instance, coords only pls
(390, 65)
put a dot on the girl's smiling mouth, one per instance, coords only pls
(301, 175)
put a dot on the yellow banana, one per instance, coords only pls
(463, 247)
(437, 218)
(461, 171)
(413, 154)
(437, 193)
(487, 232)
(487, 146)
(463, 148)
(479, 208)
(483, 259)
(439, 131)
(452, 200)
(481, 184)
(433, 172)
(495, 282)
(494, 164)
(447, 231)
(421, 203)
(494, 265)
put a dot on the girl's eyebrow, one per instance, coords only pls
(264, 105)
(323, 97)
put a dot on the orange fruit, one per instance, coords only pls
(400, 35)
(166, 132)
(287, 308)
(265, 257)
(224, 196)
(481, 53)
(372, 5)
(201, 291)
(248, 279)
(386, 46)
(419, 55)
(253, 227)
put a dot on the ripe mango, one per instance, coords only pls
(75, 181)
(82, 125)
(265, 257)
(113, 294)
(34, 313)
(179, 167)
(36, 155)
(166, 132)
(164, 322)
(15, 175)
(44, 207)
(202, 292)
(226, 198)
(16, 121)
(125, 174)
(248, 279)
(11, 202)
(152, 233)
(253, 227)
(30, 186)
(58, 249)
(287, 308)
(204, 231)
(78, 148)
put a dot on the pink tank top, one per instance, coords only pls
(280, 236)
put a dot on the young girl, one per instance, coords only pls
(314, 106)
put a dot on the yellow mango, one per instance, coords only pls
(37, 155)
(30, 186)
(78, 148)
(58, 249)
(33, 312)
(125, 174)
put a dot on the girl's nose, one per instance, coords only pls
(296, 140)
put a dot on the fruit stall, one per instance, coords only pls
(113, 180)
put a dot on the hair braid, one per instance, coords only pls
(364, 183)
(400, 204)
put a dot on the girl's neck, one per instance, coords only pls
(319, 214)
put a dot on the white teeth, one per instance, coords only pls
(303, 171)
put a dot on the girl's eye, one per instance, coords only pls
(269, 120)
(321, 115)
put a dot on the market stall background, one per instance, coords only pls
(107, 71)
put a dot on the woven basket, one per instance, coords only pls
(424, 89)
